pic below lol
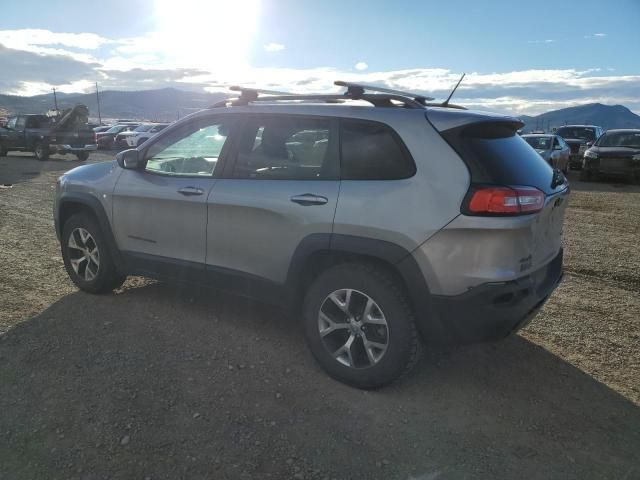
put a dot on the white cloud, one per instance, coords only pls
(599, 34)
(29, 39)
(547, 41)
(35, 60)
(273, 47)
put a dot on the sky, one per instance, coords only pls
(524, 58)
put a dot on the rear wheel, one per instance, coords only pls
(86, 256)
(82, 156)
(359, 325)
(3, 150)
(41, 150)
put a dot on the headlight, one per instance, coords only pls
(590, 154)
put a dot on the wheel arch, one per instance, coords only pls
(318, 252)
(71, 203)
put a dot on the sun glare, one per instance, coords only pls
(214, 35)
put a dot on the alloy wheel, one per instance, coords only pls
(84, 255)
(353, 328)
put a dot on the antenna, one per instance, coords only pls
(446, 102)
(98, 101)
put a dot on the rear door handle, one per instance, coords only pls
(307, 199)
(190, 191)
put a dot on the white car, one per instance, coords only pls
(142, 133)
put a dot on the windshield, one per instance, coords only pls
(143, 128)
(622, 139)
(583, 133)
(116, 129)
(539, 143)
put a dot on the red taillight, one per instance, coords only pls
(505, 201)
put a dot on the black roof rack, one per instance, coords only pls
(381, 96)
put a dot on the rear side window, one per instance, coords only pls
(372, 151)
(287, 148)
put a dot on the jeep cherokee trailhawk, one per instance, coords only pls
(382, 219)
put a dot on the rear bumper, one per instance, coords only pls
(63, 148)
(495, 310)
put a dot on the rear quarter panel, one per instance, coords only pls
(406, 212)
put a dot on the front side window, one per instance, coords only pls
(372, 151)
(286, 148)
(192, 150)
(21, 122)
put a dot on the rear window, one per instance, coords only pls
(497, 156)
(582, 133)
(372, 151)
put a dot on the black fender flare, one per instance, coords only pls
(393, 255)
(92, 204)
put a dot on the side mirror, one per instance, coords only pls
(129, 159)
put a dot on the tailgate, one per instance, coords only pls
(546, 229)
(78, 138)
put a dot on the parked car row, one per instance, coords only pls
(591, 149)
(126, 134)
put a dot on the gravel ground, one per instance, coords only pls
(164, 382)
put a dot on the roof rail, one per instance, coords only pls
(360, 88)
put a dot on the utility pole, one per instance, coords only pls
(98, 98)
(55, 99)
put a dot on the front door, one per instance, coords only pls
(281, 187)
(160, 211)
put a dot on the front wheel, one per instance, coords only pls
(42, 151)
(359, 325)
(82, 156)
(86, 256)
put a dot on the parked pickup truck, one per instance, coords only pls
(68, 133)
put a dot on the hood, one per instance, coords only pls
(617, 152)
(92, 171)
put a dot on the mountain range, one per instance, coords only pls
(168, 104)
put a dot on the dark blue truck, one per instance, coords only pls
(43, 135)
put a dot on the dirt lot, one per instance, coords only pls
(158, 381)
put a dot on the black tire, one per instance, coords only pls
(403, 342)
(3, 150)
(83, 156)
(41, 150)
(106, 276)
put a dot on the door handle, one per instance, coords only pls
(190, 191)
(307, 199)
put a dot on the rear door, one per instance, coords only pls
(281, 187)
(160, 212)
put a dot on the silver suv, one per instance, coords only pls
(382, 220)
